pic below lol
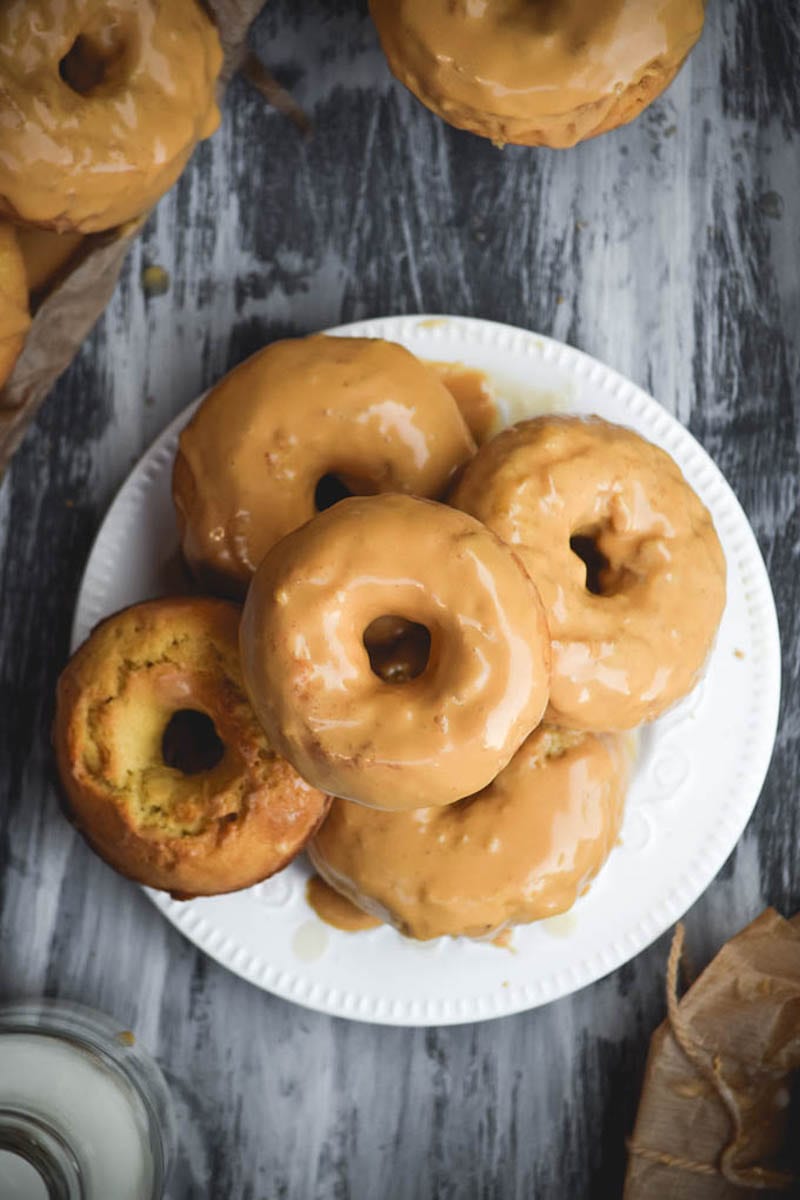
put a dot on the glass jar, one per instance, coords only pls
(85, 1113)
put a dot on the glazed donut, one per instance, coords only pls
(540, 74)
(165, 769)
(524, 848)
(624, 554)
(359, 414)
(14, 316)
(428, 740)
(103, 102)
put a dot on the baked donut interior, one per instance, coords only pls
(160, 742)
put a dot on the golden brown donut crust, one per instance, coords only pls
(524, 848)
(625, 655)
(395, 745)
(550, 73)
(14, 316)
(249, 461)
(214, 831)
(103, 102)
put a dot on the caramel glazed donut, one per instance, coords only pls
(523, 849)
(625, 557)
(351, 732)
(537, 72)
(359, 415)
(103, 102)
(165, 769)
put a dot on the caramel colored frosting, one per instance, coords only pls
(522, 849)
(166, 770)
(46, 255)
(623, 552)
(14, 314)
(337, 911)
(548, 72)
(102, 105)
(395, 745)
(363, 414)
(472, 392)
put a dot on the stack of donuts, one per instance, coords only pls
(441, 653)
(103, 104)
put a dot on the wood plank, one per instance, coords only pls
(668, 249)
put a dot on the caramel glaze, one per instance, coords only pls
(103, 104)
(14, 314)
(46, 255)
(337, 911)
(624, 655)
(470, 389)
(362, 410)
(437, 737)
(522, 849)
(537, 72)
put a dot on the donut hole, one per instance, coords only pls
(94, 63)
(585, 546)
(398, 649)
(604, 577)
(329, 491)
(190, 742)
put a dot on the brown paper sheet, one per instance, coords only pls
(712, 1120)
(67, 315)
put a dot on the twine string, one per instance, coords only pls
(754, 1178)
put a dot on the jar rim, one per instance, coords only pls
(118, 1051)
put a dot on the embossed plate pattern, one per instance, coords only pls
(698, 777)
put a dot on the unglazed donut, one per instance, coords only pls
(14, 316)
(537, 72)
(197, 803)
(102, 105)
(623, 552)
(358, 410)
(522, 849)
(395, 745)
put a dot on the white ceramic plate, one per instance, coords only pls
(699, 774)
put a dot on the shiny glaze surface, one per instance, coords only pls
(195, 832)
(431, 740)
(14, 314)
(538, 71)
(523, 849)
(336, 910)
(472, 392)
(249, 462)
(622, 657)
(103, 104)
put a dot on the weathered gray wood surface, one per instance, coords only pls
(671, 250)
